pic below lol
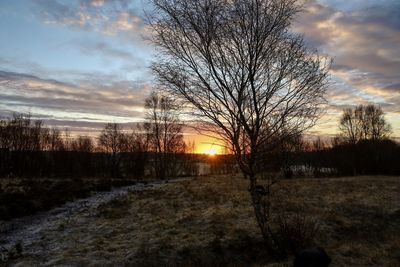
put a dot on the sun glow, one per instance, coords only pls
(212, 151)
(207, 146)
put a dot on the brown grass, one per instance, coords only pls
(209, 221)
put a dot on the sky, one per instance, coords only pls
(79, 64)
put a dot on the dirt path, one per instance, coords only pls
(28, 230)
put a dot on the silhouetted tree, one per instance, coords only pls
(29, 149)
(111, 140)
(164, 130)
(21, 133)
(190, 166)
(23, 138)
(135, 157)
(82, 144)
(243, 74)
(55, 142)
(363, 123)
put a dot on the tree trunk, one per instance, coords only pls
(261, 205)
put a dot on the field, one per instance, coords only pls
(208, 221)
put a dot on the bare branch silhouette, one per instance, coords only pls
(244, 75)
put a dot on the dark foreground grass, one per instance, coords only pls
(209, 221)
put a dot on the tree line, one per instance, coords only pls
(361, 147)
(30, 149)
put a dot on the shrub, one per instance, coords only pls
(294, 232)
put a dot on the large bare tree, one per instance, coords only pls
(244, 75)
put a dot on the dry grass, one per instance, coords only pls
(208, 221)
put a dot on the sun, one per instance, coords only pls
(209, 148)
(212, 151)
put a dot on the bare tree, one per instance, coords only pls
(243, 74)
(363, 123)
(135, 157)
(350, 127)
(375, 125)
(140, 139)
(165, 134)
(21, 133)
(55, 141)
(190, 166)
(318, 144)
(111, 140)
(82, 144)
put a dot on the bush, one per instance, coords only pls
(294, 233)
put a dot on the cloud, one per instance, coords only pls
(366, 39)
(97, 3)
(105, 50)
(362, 36)
(107, 17)
(393, 87)
(89, 99)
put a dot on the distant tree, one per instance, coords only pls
(4, 134)
(245, 77)
(24, 138)
(286, 153)
(190, 165)
(318, 144)
(135, 157)
(350, 127)
(164, 130)
(363, 123)
(82, 144)
(140, 139)
(21, 133)
(375, 125)
(55, 141)
(111, 140)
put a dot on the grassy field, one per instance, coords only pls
(208, 221)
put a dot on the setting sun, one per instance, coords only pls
(208, 145)
(211, 151)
